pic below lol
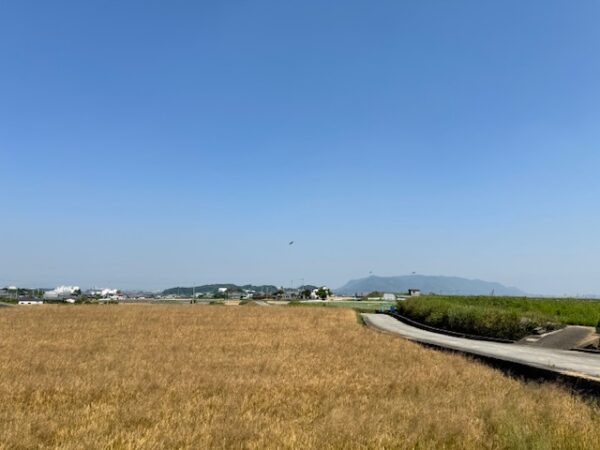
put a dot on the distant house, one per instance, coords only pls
(234, 295)
(389, 297)
(62, 292)
(290, 294)
(414, 292)
(104, 293)
(10, 291)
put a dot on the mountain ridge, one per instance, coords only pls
(427, 284)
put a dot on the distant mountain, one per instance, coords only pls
(427, 284)
(208, 288)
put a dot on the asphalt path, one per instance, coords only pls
(571, 363)
(566, 338)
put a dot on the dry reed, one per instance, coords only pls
(140, 376)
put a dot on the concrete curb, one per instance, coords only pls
(576, 367)
(425, 327)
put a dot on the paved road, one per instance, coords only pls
(566, 362)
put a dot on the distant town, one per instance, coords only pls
(204, 293)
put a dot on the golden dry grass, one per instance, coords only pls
(190, 376)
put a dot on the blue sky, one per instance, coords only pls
(146, 144)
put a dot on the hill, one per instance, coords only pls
(427, 284)
(208, 288)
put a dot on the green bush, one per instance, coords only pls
(501, 317)
(216, 302)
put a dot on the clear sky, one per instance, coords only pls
(145, 144)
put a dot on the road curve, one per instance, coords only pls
(565, 362)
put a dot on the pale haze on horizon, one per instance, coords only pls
(154, 144)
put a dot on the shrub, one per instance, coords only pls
(500, 317)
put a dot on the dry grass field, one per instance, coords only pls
(189, 376)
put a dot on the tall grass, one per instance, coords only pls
(504, 317)
(190, 376)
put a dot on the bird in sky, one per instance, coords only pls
(291, 242)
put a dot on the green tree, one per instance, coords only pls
(323, 293)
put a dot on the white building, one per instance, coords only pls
(389, 297)
(105, 293)
(62, 292)
(109, 293)
(30, 302)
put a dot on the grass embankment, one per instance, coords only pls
(190, 376)
(362, 305)
(359, 305)
(503, 317)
